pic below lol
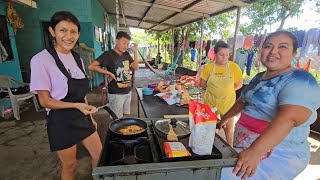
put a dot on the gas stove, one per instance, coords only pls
(148, 148)
(144, 159)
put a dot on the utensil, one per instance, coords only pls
(101, 106)
(172, 136)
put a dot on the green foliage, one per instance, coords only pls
(268, 12)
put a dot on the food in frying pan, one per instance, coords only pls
(132, 129)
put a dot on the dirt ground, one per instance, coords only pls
(24, 148)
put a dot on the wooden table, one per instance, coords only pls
(154, 107)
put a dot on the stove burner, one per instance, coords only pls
(124, 152)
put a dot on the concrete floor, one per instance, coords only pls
(25, 154)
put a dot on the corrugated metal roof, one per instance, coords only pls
(160, 15)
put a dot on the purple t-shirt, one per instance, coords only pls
(45, 74)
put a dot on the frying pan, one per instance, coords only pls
(118, 124)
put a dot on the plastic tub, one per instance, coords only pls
(147, 91)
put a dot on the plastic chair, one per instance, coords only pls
(6, 84)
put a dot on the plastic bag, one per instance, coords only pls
(175, 149)
(202, 122)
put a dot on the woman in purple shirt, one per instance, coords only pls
(58, 77)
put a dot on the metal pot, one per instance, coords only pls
(118, 124)
(180, 128)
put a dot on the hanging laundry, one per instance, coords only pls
(258, 40)
(193, 55)
(248, 42)
(300, 37)
(185, 44)
(211, 54)
(240, 41)
(311, 38)
(208, 47)
(197, 44)
(249, 63)
(241, 59)
(230, 42)
(204, 44)
(306, 67)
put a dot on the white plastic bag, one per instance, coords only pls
(202, 122)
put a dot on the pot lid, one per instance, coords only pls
(179, 127)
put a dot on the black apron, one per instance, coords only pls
(67, 127)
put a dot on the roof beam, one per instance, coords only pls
(146, 21)
(122, 25)
(145, 13)
(184, 9)
(231, 2)
(213, 14)
(142, 3)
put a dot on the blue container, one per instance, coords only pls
(147, 91)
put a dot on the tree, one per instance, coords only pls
(268, 12)
(215, 25)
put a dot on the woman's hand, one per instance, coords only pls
(247, 163)
(86, 109)
(222, 123)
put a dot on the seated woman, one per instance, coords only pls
(277, 108)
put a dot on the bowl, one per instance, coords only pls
(147, 91)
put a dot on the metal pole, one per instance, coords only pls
(201, 44)
(158, 54)
(172, 46)
(117, 15)
(236, 33)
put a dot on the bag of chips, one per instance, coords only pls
(202, 123)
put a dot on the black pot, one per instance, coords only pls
(118, 124)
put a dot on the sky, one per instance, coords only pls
(306, 20)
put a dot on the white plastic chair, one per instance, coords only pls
(6, 83)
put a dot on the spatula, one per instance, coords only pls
(172, 136)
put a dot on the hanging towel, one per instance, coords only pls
(211, 54)
(240, 41)
(311, 38)
(193, 55)
(300, 37)
(241, 59)
(248, 42)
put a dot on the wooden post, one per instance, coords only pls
(117, 15)
(201, 45)
(236, 34)
(172, 46)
